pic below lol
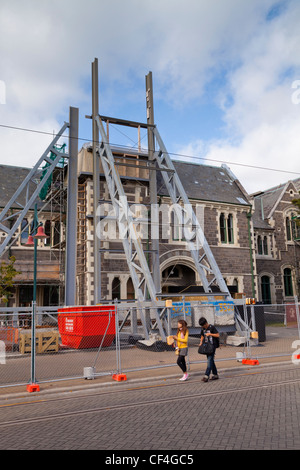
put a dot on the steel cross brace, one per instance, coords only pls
(29, 190)
(140, 273)
(197, 240)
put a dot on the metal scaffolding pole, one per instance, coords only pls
(153, 185)
(96, 182)
(71, 229)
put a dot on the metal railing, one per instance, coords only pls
(120, 347)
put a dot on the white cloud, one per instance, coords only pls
(46, 50)
(260, 115)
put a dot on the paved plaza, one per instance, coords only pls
(248, 408)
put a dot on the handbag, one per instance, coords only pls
(206, 348)
(182, 351)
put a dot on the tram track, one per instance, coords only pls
(129, 405)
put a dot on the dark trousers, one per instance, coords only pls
(211, 366)
(181, 363)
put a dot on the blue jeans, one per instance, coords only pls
(211, 366)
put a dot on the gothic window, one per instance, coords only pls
(116, 288)
(130, 289)
(259, 245)
(288, 283)
(288, 229)
(265, 246)
(230, 228)
(24, 231)
(47, 241)
(266, 289)
(292, 227)
(223, 233)
(226, 228)
(262, 245)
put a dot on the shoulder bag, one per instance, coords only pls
(206, 348)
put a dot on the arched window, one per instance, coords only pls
(292, 227)
(259, 245)
(24, 231)
(116, 288)
(288, 282)
(230, 228)
(262, 245)
(47, 241)
(265, 290)
(130, 289)
(226, 228)
(288, 229)
(265, 246)
(295, 227)
(223, 231)
(56, 233)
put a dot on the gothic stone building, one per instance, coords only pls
(277, 243)
(253, 239)
(216, 195)
(49, 251)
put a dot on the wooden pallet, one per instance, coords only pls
(46, 341)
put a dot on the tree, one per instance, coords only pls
(296, 203)
(7, 275)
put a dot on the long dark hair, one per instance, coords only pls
(183, 323)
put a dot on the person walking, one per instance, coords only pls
(211, 334)
(182, 346)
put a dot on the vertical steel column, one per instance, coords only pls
(153, 186)
(71, 235)
(96, 182)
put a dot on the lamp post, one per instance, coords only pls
(37, 233)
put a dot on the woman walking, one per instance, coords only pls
(182, 346)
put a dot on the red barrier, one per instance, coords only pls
(86, 327)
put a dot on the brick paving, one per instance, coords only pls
(245, 409)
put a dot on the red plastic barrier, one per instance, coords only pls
(85, 327)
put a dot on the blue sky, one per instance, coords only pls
(223, 75)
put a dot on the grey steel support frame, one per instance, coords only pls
(136, 260)
(71, 229)
(27, 193)
(96, 183)
(197, 242)
(152, 183)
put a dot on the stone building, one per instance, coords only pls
(253, 239)
(218, 198)
(277, 243)
(50, 259)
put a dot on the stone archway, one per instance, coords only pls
(177, 277)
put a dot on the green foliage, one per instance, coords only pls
(7, 275)
(296, 203)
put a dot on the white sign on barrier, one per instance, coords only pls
(2, 353)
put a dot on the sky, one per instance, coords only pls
(226, 78)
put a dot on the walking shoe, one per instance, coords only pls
(205, 379)
(184, 377)
(214, 377)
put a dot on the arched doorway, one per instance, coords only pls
(177, 278)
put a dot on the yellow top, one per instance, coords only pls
(183, 342)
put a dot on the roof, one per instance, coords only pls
(207, 183)
(11, 178)
(201, 182)
(266, 202)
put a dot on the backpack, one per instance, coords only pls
(216, 341)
